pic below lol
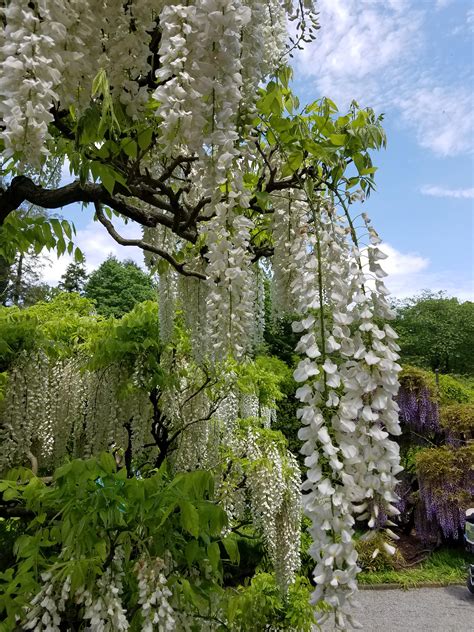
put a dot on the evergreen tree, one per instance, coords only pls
(74, 279)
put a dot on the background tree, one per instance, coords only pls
(74, 279)
(116, 287)
(22, 280)
(437, 332)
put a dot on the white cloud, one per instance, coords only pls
(376, 53)
(470, 20)
(442, 118)
(409, 274)
(442, 4)
(399, 264)
(358, 43)
(437, 191)
(97, 245)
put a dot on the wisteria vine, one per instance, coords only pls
(211, 177)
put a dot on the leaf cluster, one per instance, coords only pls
(261, 601)
(264, 377)
(458, 419)
(91, 509)
(57, 327)
(445, 466)
(130, 341)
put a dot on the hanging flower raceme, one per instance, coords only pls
(231, 294)
(263, 477)
(348, 377)
(153, 596)
(50, 52)
(446, 481)
(418, 401)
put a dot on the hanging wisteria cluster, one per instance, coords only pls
(103, 607)
(349, 379)
(446, 489)
(54, 408)
(419, 408)
(264, 479)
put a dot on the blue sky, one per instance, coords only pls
(414, 61)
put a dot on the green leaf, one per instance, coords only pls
(191, 551)
(232, 549)
(338, 139)
(295, 160)
(100, 83)
(78, 256)
(10, 494)
(107, 462)
(144, 138)
(130, 147)
(66, 228)
(214, 555)
(359, 162)
(352, 182)
(108, 181)
(189, 518)
(57, 228)
(101, 548)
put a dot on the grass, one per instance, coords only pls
(446, 566)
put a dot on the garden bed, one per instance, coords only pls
(444, 566)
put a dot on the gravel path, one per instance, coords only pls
(449, 609)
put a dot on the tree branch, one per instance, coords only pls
(16, 511)
(179, 267)
(23, 189)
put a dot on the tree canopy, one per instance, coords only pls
(74, 278)
(116, 287)
(437, 332)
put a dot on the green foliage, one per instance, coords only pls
(264, 378)
(458, 419)
(57, 327)
(447, 472)
(413, 378)
(22, 230)
(3, 384)
(437, 332)
(116, 287)
(452, 390)
(73, 527)
(336, 147)
(10, 531)
(90, 510)
(280, 337)
(446, 389)
(130, 341)
(261, 602)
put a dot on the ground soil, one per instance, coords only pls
(412, 551)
